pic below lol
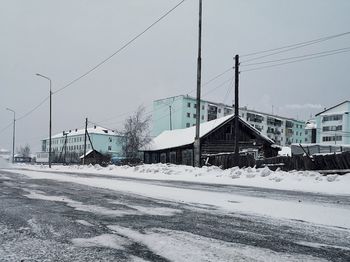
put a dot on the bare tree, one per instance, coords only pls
(136, 133)
(24, 151)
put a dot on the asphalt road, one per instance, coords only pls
(47, 220)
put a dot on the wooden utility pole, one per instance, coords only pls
(170, 124)
(86, 124)
(236, 110)
(197, 146)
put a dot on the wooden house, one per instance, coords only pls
(94, 157)
(216, 137)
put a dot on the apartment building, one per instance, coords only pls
(103, 140)
(333, 125)
(180, 112)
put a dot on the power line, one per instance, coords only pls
(121, 48)
(6, 127)
(33, 109)
(293, 46)
(301, 56)
(291, 62)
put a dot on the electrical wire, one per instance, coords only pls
(293, 46)
(335, 51)
(6, 127)
(33, 109)
(291, 62)
(121, 48)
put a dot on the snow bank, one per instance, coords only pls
(309, 181)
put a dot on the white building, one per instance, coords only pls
(72, 142)
(333, 125)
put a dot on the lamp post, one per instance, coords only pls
(40, 75)
(13, 135)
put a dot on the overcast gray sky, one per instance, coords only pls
(63, 39)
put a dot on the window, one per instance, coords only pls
(188, 115)
(188, 104)
(110, 139)
(188, 125)
(202, 117)
(202, 107)
(219, 110)
(109, 148)
(195, 105)
(332, 118)
(194, 115)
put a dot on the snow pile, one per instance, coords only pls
(309, 181)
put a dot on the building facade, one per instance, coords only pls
(333, 125)
(72, 142)
(180, 112)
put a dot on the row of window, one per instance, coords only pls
(72, 148)
(332, 118)
(194, 105)
(73, 140)
(331, 138)
(194, 115)
(332, 128)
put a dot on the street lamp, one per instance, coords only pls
(50, 117)
(13, 135)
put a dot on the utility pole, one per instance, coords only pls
(86, 123)
(236, 156)
(65, 147)
(50, 122)
(13, 134)
(197, 146)
(170, 124)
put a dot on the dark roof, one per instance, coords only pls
(346, 101)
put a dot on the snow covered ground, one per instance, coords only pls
(114, 178)
(308, 181)
(178, 213)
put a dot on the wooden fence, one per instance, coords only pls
(336, 161)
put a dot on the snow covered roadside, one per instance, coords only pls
(307, 181)
(222, 201)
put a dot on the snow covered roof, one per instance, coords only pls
(311, 124)
(91, 130)
(324, 111)
(183, 137)
(87, 153)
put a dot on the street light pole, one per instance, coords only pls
(14, 133)
(50, 125)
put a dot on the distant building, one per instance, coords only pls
(5, 154)
(180, 112)
(333, 125)
(216, 137)
(72, 142)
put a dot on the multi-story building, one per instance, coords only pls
(103, 140)
(310, 131)
(333, 125)
(180, 112)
